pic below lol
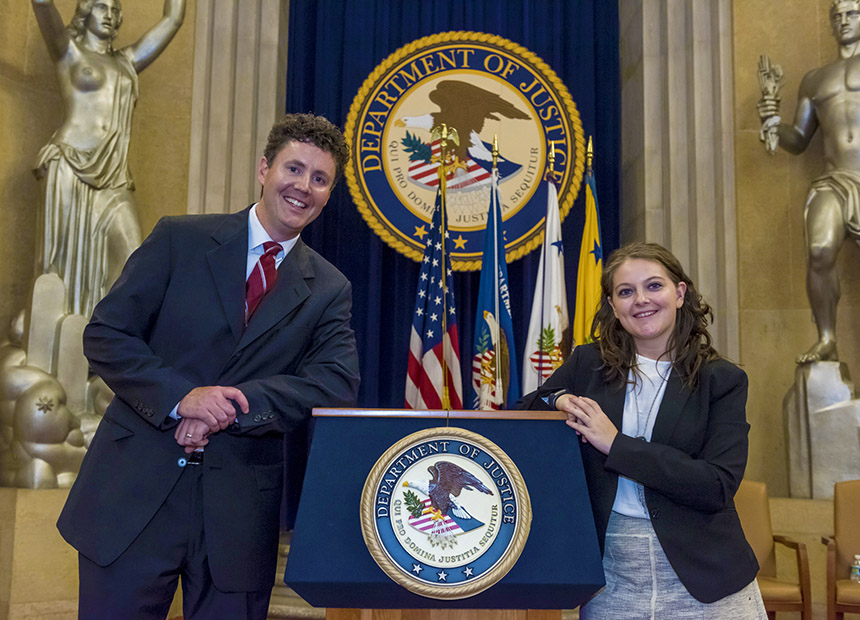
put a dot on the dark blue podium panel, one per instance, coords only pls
(330, 566)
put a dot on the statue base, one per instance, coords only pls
(822, 422)
(38, 570)
(49, 406)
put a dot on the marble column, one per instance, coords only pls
(677, 177)
(240, 70)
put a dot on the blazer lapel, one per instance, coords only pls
(290, 290)
(674, 399)
(612, 403)
(227, 263)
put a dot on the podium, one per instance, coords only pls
(330, 566)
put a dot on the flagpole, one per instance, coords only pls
(497, 367)
(549, 177)
(442, 172)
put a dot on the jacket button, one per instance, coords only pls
(655, 512)
(182, 462)
(257, 418)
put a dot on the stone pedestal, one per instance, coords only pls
(38, 570)
(834, 434)
(822, 423)
(47, 400)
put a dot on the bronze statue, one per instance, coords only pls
(828, 97)
(88, 229)
(88, 223)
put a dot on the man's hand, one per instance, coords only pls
(767, 107)
(192, 434)
(212, 405)
(769, 134)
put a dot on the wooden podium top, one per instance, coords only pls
(440, 414)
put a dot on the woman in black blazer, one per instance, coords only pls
(662, 419)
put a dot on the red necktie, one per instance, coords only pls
(262, 278)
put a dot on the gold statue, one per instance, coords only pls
(88, 223)
(88, 228)
(828, 97)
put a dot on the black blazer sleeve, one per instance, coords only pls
(704, 463)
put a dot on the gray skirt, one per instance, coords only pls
(641, 584)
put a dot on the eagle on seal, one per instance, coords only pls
(466, 107)
(446, 483)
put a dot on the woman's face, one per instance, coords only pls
(103, 20)
(646, 301)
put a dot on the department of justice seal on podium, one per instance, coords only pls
(445, 513)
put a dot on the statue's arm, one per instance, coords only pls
(153, 42)
(795, 138)
(52, 27)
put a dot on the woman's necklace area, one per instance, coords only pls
(641, 430)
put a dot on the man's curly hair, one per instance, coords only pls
(78, 25)
(689, 346)
(313, 129)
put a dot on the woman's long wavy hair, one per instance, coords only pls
(78, 25)
(689, 345)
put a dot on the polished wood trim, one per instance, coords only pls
(427, 414)
(442, 614)
(805, 605)
(830, 541)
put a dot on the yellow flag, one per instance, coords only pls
(590, 268)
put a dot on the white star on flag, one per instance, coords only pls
(424, 379)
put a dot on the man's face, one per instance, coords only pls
(296, 187)
(845, 22)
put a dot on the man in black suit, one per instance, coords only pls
(185, 472)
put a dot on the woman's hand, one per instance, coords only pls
(588, 420)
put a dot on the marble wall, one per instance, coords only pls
(775, 320)
(30, 110)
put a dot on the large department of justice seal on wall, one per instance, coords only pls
(445, 513)
(481, 85)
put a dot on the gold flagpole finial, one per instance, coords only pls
(551, 174)
(495, 151)
(589, 156)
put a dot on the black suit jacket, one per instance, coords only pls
(174, 321)
(690, 469)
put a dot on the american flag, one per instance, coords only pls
(427, 172)
(424, 375)
(425, 522)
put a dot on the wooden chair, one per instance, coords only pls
(778, 594)
(843, 595)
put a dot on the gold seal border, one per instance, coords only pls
(536, 61)
(480, 583)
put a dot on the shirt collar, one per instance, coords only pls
(257, 235)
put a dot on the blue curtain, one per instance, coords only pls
(335, 44)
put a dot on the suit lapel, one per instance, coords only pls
(290, 290)
(227, 263)
(674, 399)
(613, 403)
